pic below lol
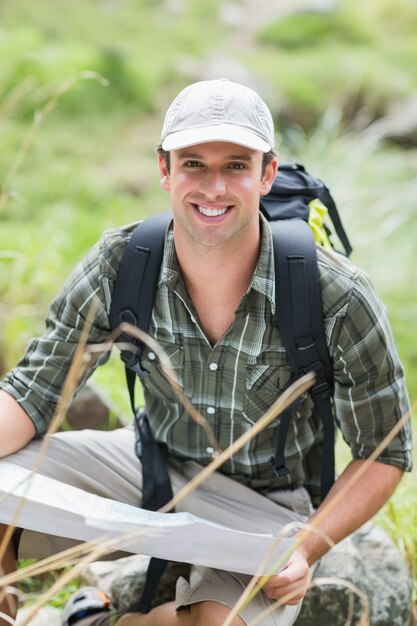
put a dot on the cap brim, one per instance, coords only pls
(229, 133)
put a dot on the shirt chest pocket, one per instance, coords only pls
(156, 383)
(266, 379)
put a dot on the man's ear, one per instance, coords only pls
(268, 177)
(163, 173)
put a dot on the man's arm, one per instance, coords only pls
(361, 502)
(38, 379)
(16, 427)
(369, 399)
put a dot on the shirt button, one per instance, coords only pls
(211, 410)
(213, 367)
(151, 356)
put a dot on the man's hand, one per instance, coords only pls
(369, 494)
(294, 579)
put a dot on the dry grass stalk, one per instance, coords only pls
(38, 119)
(284, 401)
(7, 619)
(64, 579)
(72, 556)
(329, 506)
(354, 591)
(77, 369)
(7, 592)
(364, 621)
(169, 373)
(259, 579)
(11, 100)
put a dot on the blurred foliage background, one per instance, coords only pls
(83, 89)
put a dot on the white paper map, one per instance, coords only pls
(59, 509)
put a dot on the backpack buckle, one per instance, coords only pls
(279, 471)
(321, 388)
(133, 362)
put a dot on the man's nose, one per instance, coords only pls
(213, 184)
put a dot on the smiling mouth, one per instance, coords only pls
(209, 212)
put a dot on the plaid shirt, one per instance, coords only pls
(233, 383)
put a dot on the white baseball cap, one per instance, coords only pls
(218, 110)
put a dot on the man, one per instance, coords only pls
(214, 315)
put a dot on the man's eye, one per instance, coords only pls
(237, 166)
(192, 164)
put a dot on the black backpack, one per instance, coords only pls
(299, 316)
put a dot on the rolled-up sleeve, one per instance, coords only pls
(370, 393)
(37, 381)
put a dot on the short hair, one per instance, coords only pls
(267, 157)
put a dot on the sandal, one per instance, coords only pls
(86, 601)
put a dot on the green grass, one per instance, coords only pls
(358, 55)
(315, 29)
(399, 518)
(31, 589)
(91, 164)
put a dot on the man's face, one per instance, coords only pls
(215, 189)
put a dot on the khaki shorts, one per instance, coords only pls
(104, 463)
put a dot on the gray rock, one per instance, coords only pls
(123, 580)
(102, 573)
(370, 561)
(47, 616)
(399, 126)
(91, 409)
(126, 587)
(175, 7)
(253, 14)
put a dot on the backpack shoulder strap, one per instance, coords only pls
(135, 287)
(132, 301)
(300, 320)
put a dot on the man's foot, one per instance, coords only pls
(86, 602)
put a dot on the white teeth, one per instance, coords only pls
(211, 212)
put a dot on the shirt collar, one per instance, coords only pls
(263, 280)
(170, 272)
